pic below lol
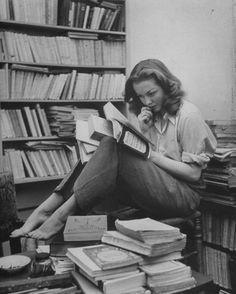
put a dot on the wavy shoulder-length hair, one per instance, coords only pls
(154, 68)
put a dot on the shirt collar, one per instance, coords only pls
(166, 116)
(163, 121)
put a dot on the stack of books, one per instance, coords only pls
(220, 175)
(147, 237)
(62, 119)
(168, 277)
(160, 246)
(142, 255)
(111, 269)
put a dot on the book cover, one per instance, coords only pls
(108, 257)
(85, 228)
(81, 259)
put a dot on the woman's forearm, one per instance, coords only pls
(180, 170)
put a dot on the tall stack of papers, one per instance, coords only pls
(220, 174)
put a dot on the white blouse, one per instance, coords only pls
(183, 137)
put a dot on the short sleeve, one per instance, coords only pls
(196, 139)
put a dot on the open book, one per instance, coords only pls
(118, 126)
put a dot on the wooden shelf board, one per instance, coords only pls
(33, 138)
(59, 101)
(92, 67)
(57, 28)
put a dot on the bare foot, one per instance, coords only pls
(18, 233)
(30, 224)
(48, 229)
(39, 215)
(56, 221)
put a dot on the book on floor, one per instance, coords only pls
(83, 261)
(108, 257)
(168, 276)
(132, 284)
(148, 230)
(173, 287)
(85, 228)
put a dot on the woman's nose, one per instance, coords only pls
(148, 101)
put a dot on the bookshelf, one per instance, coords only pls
(219, 240)
(56, 65)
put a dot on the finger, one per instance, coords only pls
(146, 109)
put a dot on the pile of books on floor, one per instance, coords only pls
(142, 255)
(220, 175)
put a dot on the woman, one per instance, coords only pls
(165, 185)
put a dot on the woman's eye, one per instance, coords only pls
(152, 93)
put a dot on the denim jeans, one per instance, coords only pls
(116, 175)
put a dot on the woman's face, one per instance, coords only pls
(150, 94)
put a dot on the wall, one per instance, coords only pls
(194, 39)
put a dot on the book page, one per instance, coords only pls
(133, 141)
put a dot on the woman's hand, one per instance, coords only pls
(145, 119)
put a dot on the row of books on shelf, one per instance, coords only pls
(24, 122)
(141, 254)
(82, 15)
(38, 122)
(22, 47)
(216, 265)
(102, 15)
(38, 11)
(45, 162)
(33, 83)
(219, 229)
